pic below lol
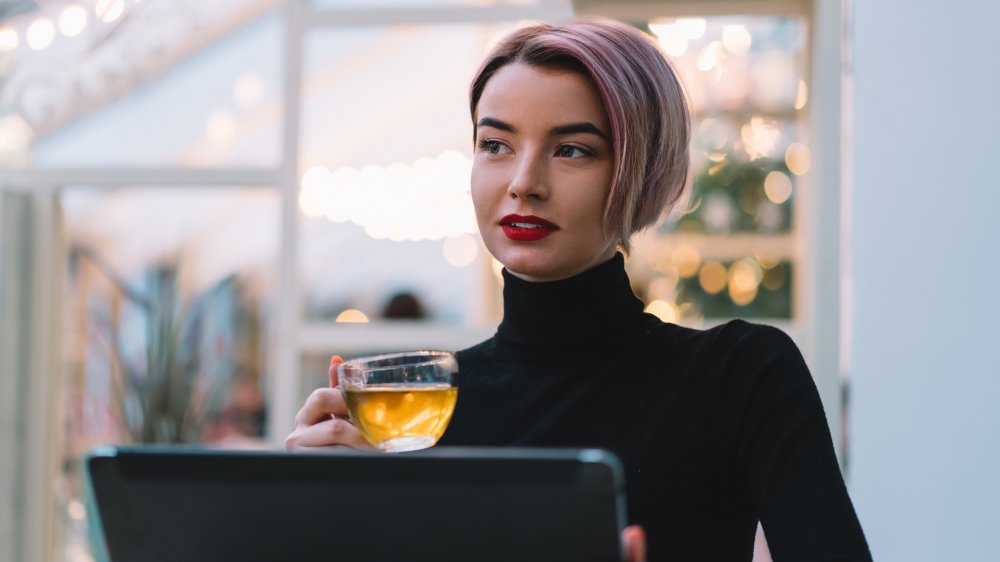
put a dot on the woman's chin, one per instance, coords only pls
(542, 269)
(547, 264)
(531, 266)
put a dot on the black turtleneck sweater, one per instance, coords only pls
(717, 428)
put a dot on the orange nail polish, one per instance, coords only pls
(335, 360)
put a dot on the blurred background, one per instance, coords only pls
(200, 202)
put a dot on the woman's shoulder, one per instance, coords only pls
(482, 350)
(731, 336)
(734, 351)
(737, 334)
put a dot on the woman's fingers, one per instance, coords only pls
(323, 420)
(322, 404)
(634, 539)
(334, 362)
(331, 432)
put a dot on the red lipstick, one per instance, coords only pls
(526, 228)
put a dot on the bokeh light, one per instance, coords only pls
(760, 137)
(712, 277)
(694, 28)
(352, 316)
(664, 310)
(686, 259)
(40, 34)
(745, 275)
(708, 59)
(777, 187)
(314, 181)
(109, 10)
(8, 39)
(736, 39)
(742, 298)
(673, 38)
(798, 159)
(72, 20)
(461, 250)
(429, 199)
(801, 95)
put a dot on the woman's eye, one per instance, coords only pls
(491, 146)
(568, 151)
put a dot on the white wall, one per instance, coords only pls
(925, 417)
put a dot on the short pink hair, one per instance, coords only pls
(644, 100)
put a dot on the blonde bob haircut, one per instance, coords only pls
(644, 100)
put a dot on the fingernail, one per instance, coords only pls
(336, 360)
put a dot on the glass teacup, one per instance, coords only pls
(401, 401)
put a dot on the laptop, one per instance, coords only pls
(441, 504)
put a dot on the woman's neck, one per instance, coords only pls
(585, 313)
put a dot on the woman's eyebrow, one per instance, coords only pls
(496, 124)
(582, 127)
(561, 130)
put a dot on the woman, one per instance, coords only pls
(581, 136)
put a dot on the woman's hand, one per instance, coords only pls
(634, 539)
(324, 421)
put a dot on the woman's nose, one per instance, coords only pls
(530, 179)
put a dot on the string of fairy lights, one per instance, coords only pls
(39, 32)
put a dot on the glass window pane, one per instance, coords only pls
(168, 295)
(730, 251)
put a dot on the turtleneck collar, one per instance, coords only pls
(584, 313)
